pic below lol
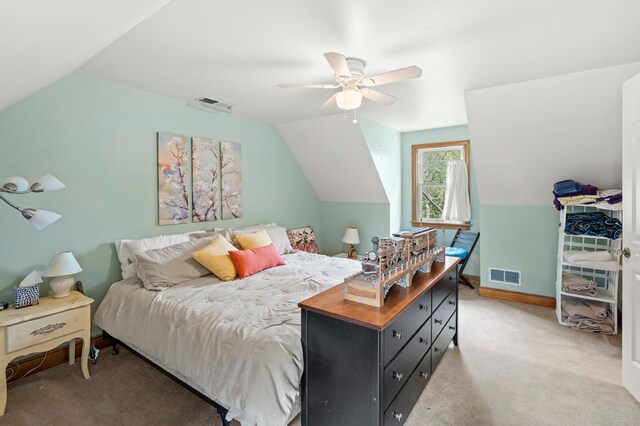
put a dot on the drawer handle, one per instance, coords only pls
(397, 334)
(424, 340)
(452, 302)
(435, 349)
(397, 416)
(437, 321)
(451, 327)
(48, 329)
(423, 307)
(397, 376)
(423, 374)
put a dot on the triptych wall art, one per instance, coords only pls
(215, 185)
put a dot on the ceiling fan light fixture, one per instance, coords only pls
(349, 99)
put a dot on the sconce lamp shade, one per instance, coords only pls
(48, 183)
(21, 184)
(40, 219)
(351, 236)
(62, 264)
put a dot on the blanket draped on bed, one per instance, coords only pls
(237, 342)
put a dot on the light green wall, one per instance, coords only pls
(521, 238)
(445, 134)
(99, 139)
(384, 145)
(371, 219)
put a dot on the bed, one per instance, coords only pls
(237, 343)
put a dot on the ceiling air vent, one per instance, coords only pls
(504, 276)
(208, 104)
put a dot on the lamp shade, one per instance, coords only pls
(21, 184)
(349, 99)
(40, 219)
(351, 236)
(50, 183)
(62, 264)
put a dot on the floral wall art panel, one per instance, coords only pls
(205, 182)
(173, 179)
(231, 174)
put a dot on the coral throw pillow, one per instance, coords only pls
(215, 257)
(252, 261)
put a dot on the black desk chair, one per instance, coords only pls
(466, 240)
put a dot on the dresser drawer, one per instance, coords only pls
(40, 330)
(397, 372)
(443, 313)
(400, 331)
(441, 343)
(444, 287)
(400, 408)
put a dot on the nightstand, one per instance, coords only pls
(344, 256)
(43, 327)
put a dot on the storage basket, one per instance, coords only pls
(26, 296)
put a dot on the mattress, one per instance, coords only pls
(237, 342)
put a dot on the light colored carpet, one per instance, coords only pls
(515, 366)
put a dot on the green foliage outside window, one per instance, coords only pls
(434, 179)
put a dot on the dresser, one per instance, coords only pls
(43, 327)
(368, 366)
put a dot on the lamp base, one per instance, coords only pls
(61, 286)
(353, 253)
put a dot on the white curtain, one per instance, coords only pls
(456, 197)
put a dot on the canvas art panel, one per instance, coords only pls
(231, 179)
(173, 179)
(205, 181)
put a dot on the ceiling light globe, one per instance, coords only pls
(349, 99)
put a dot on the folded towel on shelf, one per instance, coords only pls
(577, 199)
(577, 284)
(603, 327)
(565, 187)
(578, 310)
(588, 256)
(610, 196)
(596, 224)
(601, 259)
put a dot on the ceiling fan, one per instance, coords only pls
(353, 85)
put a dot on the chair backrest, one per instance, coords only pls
(466, 240)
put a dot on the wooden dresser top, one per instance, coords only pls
(332, 303)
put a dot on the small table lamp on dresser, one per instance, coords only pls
(351, 237)
(61, 267)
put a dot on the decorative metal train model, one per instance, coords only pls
(393, 261)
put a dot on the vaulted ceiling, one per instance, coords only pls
(237, 51)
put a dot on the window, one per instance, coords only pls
(429, 174)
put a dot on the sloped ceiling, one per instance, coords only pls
(238, 51)
(335, 158)
(41, 41)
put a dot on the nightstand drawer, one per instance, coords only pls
(40, 330)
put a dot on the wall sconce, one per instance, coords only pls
(40, 219)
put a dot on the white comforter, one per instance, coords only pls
(236, 342)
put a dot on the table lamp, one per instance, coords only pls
(351, 237)
(61, 267)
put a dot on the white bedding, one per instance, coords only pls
(237, 342)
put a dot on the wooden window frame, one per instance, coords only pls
(414, 164)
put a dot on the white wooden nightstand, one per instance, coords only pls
(43, 327)
(344, 256)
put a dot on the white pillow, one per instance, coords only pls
(278, 235)
(126, 249)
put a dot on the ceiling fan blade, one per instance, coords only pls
(392, 76)
(330, 102)
(381, 98)
(339, 64)
(308, 86)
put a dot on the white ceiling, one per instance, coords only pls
(237, 51)
(41, 41)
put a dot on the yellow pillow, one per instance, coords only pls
(215, 257)
(255, 240)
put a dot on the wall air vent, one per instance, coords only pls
(208, 104)
(505, 276)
